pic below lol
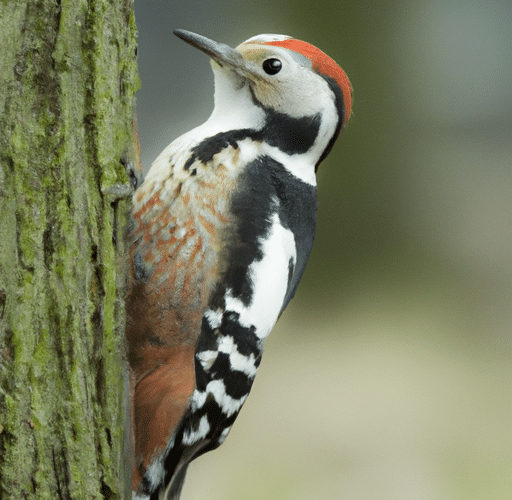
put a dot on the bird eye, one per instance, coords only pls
(272, 66)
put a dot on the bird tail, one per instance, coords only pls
(172, 491)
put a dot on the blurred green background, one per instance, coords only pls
(389, 377)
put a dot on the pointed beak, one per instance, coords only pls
(219, 52)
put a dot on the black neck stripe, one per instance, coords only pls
(340, 108)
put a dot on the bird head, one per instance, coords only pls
(282, 75)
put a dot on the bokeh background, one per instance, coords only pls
(389, 377)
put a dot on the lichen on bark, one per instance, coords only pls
(67, 83)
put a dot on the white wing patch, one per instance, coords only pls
(269, 278)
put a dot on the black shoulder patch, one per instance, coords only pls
(266, 188)
(252, 206)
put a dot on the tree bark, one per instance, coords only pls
(67, 83)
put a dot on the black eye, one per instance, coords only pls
(272, 66)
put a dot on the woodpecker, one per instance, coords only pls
(222, 227)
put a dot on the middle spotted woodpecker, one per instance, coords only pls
(221, 231)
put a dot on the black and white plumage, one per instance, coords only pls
(222, 228)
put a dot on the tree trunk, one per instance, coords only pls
(67, 83)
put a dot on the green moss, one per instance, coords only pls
(40, 356)
(40, 478)
(64, 305)
(11, 407)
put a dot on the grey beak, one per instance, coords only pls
(219, 52)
